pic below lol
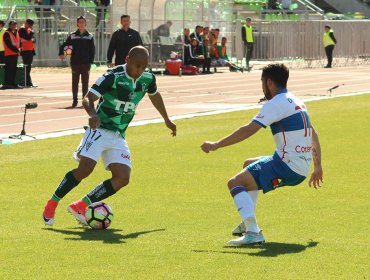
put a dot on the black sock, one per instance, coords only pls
(67, 184)
(101, 191)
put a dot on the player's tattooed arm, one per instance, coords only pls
(317, 174)
(88, 104)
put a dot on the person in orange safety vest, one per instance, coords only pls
(11, 43)
(27, 38)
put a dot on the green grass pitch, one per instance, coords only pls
(175, 217)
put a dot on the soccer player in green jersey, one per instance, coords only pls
(118, 93)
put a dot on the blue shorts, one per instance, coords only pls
(270, 172)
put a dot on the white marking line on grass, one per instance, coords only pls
(40, 121)
(178, 117)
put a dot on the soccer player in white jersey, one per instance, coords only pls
(297, 144)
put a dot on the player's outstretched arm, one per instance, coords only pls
(317, 174)
(237, 136)
(88, 103)
(158, 103)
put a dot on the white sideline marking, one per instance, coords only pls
(176, 117)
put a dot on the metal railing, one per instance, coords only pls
(297, 41)
(301, 42)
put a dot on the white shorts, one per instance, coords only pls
(109, 144)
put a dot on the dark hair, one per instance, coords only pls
(278, 73)
(12, 22)
(81, 17)
(125, 16)
(327, 26)
(30, 21)
(2, 22)
(223, 38)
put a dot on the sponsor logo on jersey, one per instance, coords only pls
(303, 149)
(260, 116)
(126, 105)
(275, 182)
(143, 86)
(123, 83)
(126, 156)
(88, 145)
(257, 167)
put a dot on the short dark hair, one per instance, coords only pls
(12, 22)
(2, 22)
(81, 17)
(125, 16)
(327, 26)
(277, 72)
(30, 21)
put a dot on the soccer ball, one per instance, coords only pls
(99, 215)
(68, 50)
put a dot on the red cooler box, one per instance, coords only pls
(173, 66)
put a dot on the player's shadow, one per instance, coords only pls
(109, 235)
(270, 249)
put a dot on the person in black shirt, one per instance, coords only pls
(191, 56)
(83, 52)
(122, 41)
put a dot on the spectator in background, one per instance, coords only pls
(248, 40)
(285, 4)
(220, 57)
(83, 52)
(27, 37)
(11, 43)
(162, 30)
(184, 39)
(122, 41)
(2, 31)
(205, 33)
(206, 55)
(44, 14)
(101, 11)
(213, 36)
(190, 55)
(272, 4)
(213, 39)
(329, 41)
(197, 34)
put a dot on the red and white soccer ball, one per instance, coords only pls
(68, 50)
(99, 215)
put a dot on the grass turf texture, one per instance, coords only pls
(174, 218)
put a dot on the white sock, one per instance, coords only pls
(253, 226)
(244, 204)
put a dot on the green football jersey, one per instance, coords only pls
(119, 96)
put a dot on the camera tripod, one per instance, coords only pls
(23, 132)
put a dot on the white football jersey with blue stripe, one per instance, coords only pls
(290, 125)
